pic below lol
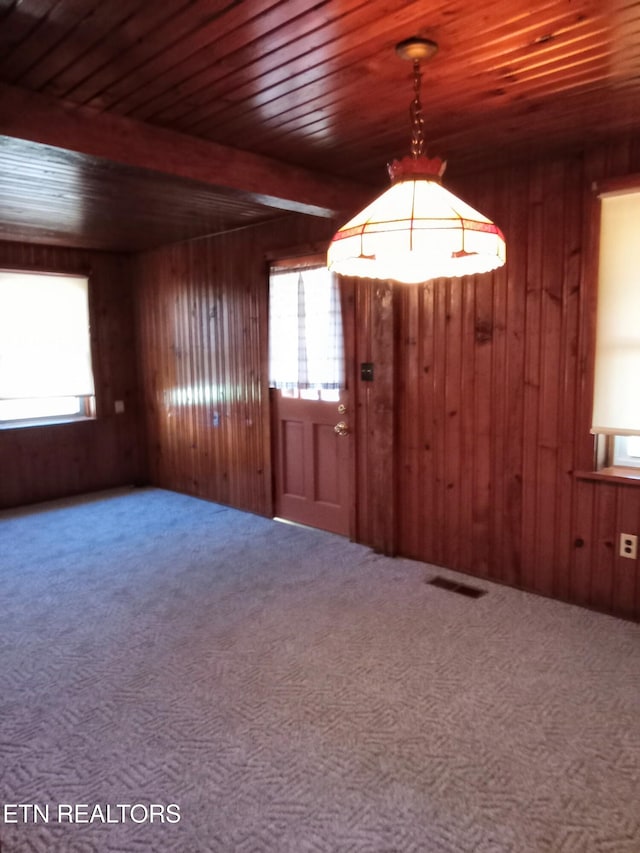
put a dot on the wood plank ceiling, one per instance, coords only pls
(315, 85)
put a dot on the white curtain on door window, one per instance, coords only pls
(306, 348)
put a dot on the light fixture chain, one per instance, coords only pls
(415, 110)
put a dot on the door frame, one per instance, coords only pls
(346, 287)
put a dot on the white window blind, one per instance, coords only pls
(306, 348)
(44, 336)
(616, 408)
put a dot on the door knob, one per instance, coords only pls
(341, 428)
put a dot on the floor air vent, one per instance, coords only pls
(454, 586)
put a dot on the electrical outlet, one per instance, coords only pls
(629, 545)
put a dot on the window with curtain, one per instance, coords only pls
(45, 350)
(616, 408)
(306, 350)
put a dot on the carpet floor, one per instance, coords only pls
(283, 690)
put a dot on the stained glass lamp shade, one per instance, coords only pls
(417, 230)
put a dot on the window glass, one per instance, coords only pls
(626, 450)
(306, 353)
(45, 349)
(616, 409)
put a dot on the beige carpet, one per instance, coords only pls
(287, 690)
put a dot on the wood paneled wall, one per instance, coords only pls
(42, 463)
(202, 323)
(483, 390)
(469, 437)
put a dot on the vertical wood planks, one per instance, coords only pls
(626, 578)
(375, 342)
(409, 421)
(533, 344)
(202, 314)
(489, 445)
(551, 346)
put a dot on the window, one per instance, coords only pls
(616, 409)
(306, 357)
(626, 450)
(45, 351)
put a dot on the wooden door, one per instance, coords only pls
(312, 462)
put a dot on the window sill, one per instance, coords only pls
(42, 422)
(617, 474)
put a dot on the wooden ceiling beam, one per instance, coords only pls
(39, 118)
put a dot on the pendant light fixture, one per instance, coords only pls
(416, 230)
